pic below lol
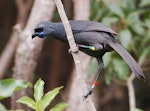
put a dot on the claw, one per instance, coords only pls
(74, 51)
(90, 91)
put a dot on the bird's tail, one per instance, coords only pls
(127, 57)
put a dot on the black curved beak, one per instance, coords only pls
(35, 34)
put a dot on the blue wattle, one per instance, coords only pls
(42, 34)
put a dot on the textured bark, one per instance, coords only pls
(24, 8)
(28, 50)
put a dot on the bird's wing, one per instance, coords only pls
(88, 26)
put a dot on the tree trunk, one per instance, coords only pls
(24, 8)
(74, 91)
(28, 50)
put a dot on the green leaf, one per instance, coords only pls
(59, 107)
(108, 79)
(109, 20)
(133, 20)
(125, 38)
(92, 68)
(129, 5)
(116, 9)
(147, 23)
(121, 68)
(27, 101)
(144, 3)
(107, 59)
(38, 90)
(137, 109)
(39, 105)
(48, 97)
(9, 86)
(2, 107)
(138, 28)
(144, 55)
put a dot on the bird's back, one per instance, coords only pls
(88, 26)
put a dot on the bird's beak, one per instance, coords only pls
(35, 34)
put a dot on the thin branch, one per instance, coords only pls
(80, 13)
(73, 47)
(131, 92)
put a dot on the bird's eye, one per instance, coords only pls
(40, 29)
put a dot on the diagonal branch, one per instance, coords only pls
(73, 47)
(8, 53)
(80, 13)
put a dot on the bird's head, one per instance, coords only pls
(43, 29)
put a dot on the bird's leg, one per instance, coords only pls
(94, 47)
(95, 83)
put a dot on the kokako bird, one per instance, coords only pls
(92, 38)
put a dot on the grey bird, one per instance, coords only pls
(92, 38)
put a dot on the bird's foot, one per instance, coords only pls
(74, 51)
(90, 91)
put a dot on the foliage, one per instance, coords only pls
(59, 107)
(92, 67)
(2, 107)
(41, 100)
(9, 86)
(131, 19)
(137, 109)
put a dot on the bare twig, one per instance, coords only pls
(73, 47)
(131, 92)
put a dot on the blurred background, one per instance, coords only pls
(51, 61)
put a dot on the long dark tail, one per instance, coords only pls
(127, 57)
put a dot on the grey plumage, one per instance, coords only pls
(87, 35)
